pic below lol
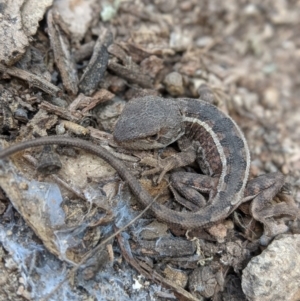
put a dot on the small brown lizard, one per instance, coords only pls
(204, 134)
(211, 138)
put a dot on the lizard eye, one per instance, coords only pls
(153, 137)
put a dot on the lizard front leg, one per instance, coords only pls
(162, 166)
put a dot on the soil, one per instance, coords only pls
(83, 62)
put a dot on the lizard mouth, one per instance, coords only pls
(141, 144)
(154, 141)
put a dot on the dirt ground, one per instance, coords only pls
(70, 72)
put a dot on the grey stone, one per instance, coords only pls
(275, 273)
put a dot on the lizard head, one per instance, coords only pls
(149, 122)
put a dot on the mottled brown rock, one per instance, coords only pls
(11, 32)
(18, 21)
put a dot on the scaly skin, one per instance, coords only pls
(180, 219)
(153, 122)
(207, 135)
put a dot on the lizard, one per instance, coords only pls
(204, 134)
(210, 137)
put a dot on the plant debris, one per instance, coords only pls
(71, 74)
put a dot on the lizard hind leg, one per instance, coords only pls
(187, 188)
(263, 189)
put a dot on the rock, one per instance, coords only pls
(19, 20)
(174, 83)
(275, 273)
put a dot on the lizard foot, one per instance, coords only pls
(160, 166)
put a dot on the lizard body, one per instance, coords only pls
(211, 137)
